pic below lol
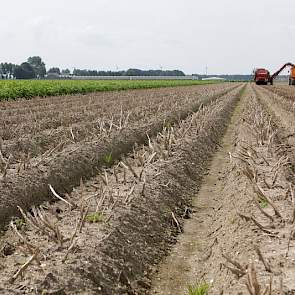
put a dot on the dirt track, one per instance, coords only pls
(111, 232)
(233, 222)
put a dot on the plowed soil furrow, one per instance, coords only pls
(241, 235)
(37, 142)
(285, 98)
(65, 169)
(140, 204)
(283, 90)
(29, 139)
(40, 141)
(21, 106)
(184, 267)
(276, 105)
(57, 117)
(284, 115)
(82, 104)
(196, 190)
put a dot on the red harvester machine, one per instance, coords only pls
(262, 76)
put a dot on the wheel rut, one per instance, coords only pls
(182, 267)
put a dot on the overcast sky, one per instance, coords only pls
(227, 36)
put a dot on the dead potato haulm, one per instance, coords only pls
(159, 191)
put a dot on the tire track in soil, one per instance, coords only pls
(180, 267)
(225, 205)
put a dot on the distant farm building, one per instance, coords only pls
(213, 78)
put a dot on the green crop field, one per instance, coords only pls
(13, 89)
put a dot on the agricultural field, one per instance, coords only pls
(175, 190)
(12, 89)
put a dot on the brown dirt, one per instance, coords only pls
(49, 113)
(65, 169)
(283, 90)
(117, 256)
(40, 135)
(143, 208)
(283, 115)
(225, 213)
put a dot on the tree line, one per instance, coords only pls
(130, 72)
(35, 68)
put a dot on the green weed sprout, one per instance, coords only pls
(94, 217)
(199, 289)
(108, 159)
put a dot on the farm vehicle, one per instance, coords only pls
(263, 77)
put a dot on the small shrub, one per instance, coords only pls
(94, 217)
(199, 289)
(263, 203)
(19, 223)
(108, 159)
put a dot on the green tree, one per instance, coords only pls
(66, 72)
(38, 65)
(7, 69)
(134, 72)
(54, 70)
(24, 71)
